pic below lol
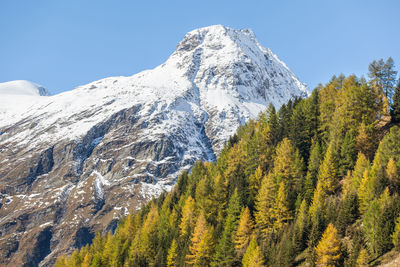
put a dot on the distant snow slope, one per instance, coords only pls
(16, 98)
(22, 87)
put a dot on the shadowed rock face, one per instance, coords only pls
(75, 163)
(55, 198)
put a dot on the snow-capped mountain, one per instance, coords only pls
(77, 161)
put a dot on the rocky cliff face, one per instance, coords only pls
(76, 162)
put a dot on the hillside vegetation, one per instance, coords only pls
(316, 183)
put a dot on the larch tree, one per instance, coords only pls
(327, 106)
(255, 182)
(328, 174)
(392, 175)
(288, 167)
(396, 234)
(202, 244)
(264, 205)
(363, 258)
(244, 232)
(253, 256)
(172, 258)
(329, 248)
(362, 164)
(143, 247)
(365, 192)
(188, 217)
(281, 211)
(366, 141)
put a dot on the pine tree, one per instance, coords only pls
(299, 133)
(301, 226)
(376, 75)
(348, 154)
(271, 119)
(204, 202)
(329, 248)
(244, 232)
(254, 183)
(328, 174)
(188, 217)
(284, 115)
(219, 197)
(389, 78)
(312, 173)
(236, 171)
(225, 254)
(172, 258)
(202, 244)
(348, 212)
(395, 108)
(317, 214)
(265, 205)
(253, 256)
(379, 223)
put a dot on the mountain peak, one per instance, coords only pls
(103, 149)
(215, 34)
(23, 87)
(219, 58)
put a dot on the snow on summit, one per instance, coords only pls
(22, 87)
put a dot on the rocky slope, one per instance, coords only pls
(76, 162)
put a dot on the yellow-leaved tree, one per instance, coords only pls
(243, 233)
(172, 255)
(188, 215)
(328, 248)
(202, 247)
(253, 256)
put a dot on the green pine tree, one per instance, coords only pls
(225, 254)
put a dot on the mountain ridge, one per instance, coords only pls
(85, 157)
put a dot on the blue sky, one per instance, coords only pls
(64, 44)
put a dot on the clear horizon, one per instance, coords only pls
(65, 45)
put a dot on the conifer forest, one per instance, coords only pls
(315, 183)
